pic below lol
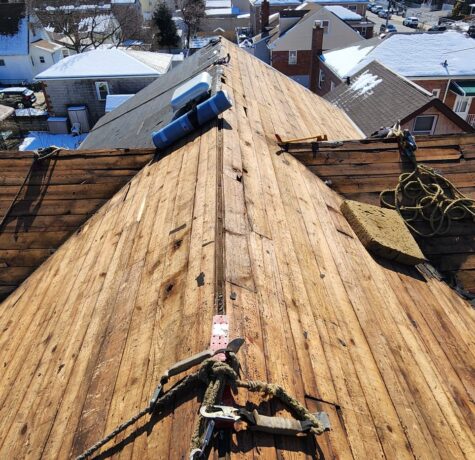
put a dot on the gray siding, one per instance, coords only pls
(64, 93)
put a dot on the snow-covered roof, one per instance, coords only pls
(47, 45)
(278, 2)
(114, 100)
(343, 13)
(15, 44)
(218, 4)
(343, 60)
(411, 55)
(40, 139)
(108, 63)
(220, 12)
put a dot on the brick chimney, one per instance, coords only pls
(316, 52)
(265, 12)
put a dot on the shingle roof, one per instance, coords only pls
(378, 97)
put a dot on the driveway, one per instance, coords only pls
(395, 20)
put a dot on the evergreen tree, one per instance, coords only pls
(166, 35)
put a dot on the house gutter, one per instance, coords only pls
(95, 77)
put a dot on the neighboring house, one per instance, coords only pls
(86, 79)
(377, 97)
(25, 48)
(223, 17)
(442, 63)
(291, 45)
(260, 8)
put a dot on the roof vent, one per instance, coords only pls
(193, 89)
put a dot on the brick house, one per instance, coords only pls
(442, 63)
(86, 79)
(368, 98)
(289, 42)
(264, 8)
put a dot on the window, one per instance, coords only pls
(332, 86)
(42, 59)
(65, 53)
(326, 26)
(424, 124)
(321, 78)
(102, 90)
(2, 62)
(462, 104)
(436, 92)
(292, 57)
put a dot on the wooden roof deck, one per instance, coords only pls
(360, 170)
(61, 193)
(387, 353)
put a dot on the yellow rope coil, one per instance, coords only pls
(424, 193)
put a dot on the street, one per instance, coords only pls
(395, 20)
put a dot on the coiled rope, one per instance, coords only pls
(215, 375)
(424, 194)
(427, 195)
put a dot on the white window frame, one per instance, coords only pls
(65, 53)
(462, 102)
(321, 78)
(434, 124)
(293, 57)
(98, 91)
(436, 92)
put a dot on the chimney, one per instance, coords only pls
(265, 12)
(316, 52)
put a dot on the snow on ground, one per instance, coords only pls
(31, 112)
(40, 139)
(365, 83)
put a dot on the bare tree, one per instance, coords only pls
(82, 27)
(193, 11)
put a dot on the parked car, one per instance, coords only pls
(385, 14)
(376, 9)
(391, 28)
(471, 31)
(17, 97)
(411, 22)
(437, 28)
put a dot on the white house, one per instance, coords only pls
(25, 48)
